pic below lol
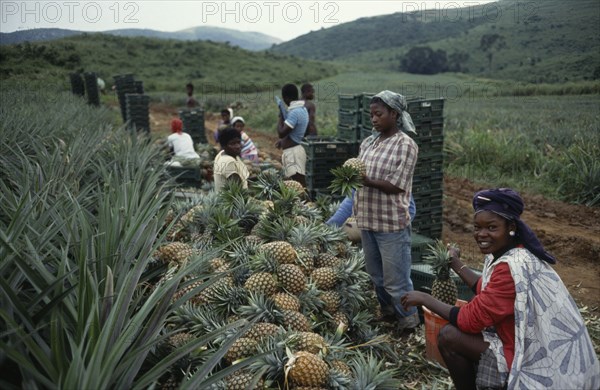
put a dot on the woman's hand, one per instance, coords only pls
(413, 298)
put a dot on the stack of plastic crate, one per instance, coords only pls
(124, 84)
(322, 155)
(349, 117)
(91, 87)
(428, 178)
(77, 86)
(193, 124)
(137, 109)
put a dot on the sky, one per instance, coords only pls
(282, 19)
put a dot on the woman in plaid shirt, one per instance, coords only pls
(381, 206)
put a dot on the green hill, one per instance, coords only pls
(164, 65)
(546, 41)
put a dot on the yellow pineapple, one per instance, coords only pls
(296, 186)
(261, 330)
(262, 282)
(175, 253)
(311, 342)
(291, 278)
(444, 288)
(327, 260)
(341, 367)
(241, 380)
(307, 369)
(331, 301)
(285, 301)
(241, 348)
(282, 251)
(356, 164)
(325, 278)
(297, 321)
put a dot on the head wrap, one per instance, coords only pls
(237, 119)
(176, 125)
(227, 135)
(508, 204)
(398, 103)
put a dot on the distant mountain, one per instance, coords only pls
(246, 40)
(539, 41)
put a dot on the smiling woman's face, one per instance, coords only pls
(491, 232)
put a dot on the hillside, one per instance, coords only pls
(245, 40)
(550, 41)
(164, 65)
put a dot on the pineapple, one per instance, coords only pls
(331, 301)
(285, 301)
(175, 253)
(444, 288)
(348, 177)
(241, 348)
(242, 380)
(180, 339)
(307, 369)
(261, 330)
(291, 278)
(262, 282)
(281, 250)
(327, 260)
(294, 185)
(325, 278)
(341, 367)
(297, 321)
(339, 318)
(311, 342)
(211, 293)
(306, 260)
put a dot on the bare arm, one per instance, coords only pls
(461, 269)
(382, 185)
(418, 298)
(283, 130)
(312, 113)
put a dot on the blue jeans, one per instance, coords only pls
(388, 260)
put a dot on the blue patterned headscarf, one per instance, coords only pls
(508, 204)
(398, 103)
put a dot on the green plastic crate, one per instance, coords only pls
(349, 118)
(349, 133)
(422, 277)
(328, 147)
(350, 102)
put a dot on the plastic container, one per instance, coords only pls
(433, 325)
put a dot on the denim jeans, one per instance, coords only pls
(388, 261)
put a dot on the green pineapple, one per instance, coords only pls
(444, 288)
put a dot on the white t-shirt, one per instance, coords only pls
(225, 166)
(182, 145)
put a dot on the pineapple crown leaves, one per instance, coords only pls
(275, 228)
(372, 374)
(310, 301)
(306, 234)
(438, 257)
(273, 359)
(263, 261)
(241, 252)
(260, 308)
(345, 180)
(267, 182)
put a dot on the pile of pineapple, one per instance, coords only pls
(264, 259)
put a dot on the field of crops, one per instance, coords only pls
(543, 139)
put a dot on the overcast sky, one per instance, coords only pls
(282, 19)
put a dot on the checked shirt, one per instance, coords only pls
(392, 160)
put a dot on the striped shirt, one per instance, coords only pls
(392, 160)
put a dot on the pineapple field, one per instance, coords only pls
(109, 280)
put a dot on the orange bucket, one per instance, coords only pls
(433, 325)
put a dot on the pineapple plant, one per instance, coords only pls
(444, 288)
(348, 177)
